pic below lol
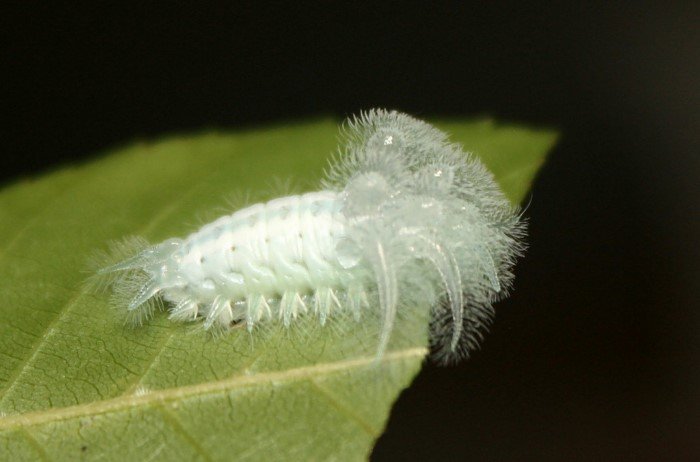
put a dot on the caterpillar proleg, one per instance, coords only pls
(402, 214)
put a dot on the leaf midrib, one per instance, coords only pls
(167, 395)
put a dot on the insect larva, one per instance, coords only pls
(402, 214)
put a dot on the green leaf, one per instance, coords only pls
(75, 382)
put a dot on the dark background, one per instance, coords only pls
(595, 356)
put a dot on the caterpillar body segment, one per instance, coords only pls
(402, 215)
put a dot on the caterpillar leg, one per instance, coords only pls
(325, 300)
(256, 308)
(184, 310)
(290, 306)
(220, 312)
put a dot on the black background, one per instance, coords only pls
(595, 356)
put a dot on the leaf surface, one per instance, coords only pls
(75, 382)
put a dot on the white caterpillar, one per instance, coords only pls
(402, 214)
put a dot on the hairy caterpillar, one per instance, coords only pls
(401, 214)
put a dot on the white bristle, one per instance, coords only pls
(403, 214)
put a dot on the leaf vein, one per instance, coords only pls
(343, 409)
(24, 364)
(35, 445)
(208, 388)
(41, 340)
(174, 421)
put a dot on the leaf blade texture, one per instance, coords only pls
(75, 382)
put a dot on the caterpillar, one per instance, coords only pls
(401, 214)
